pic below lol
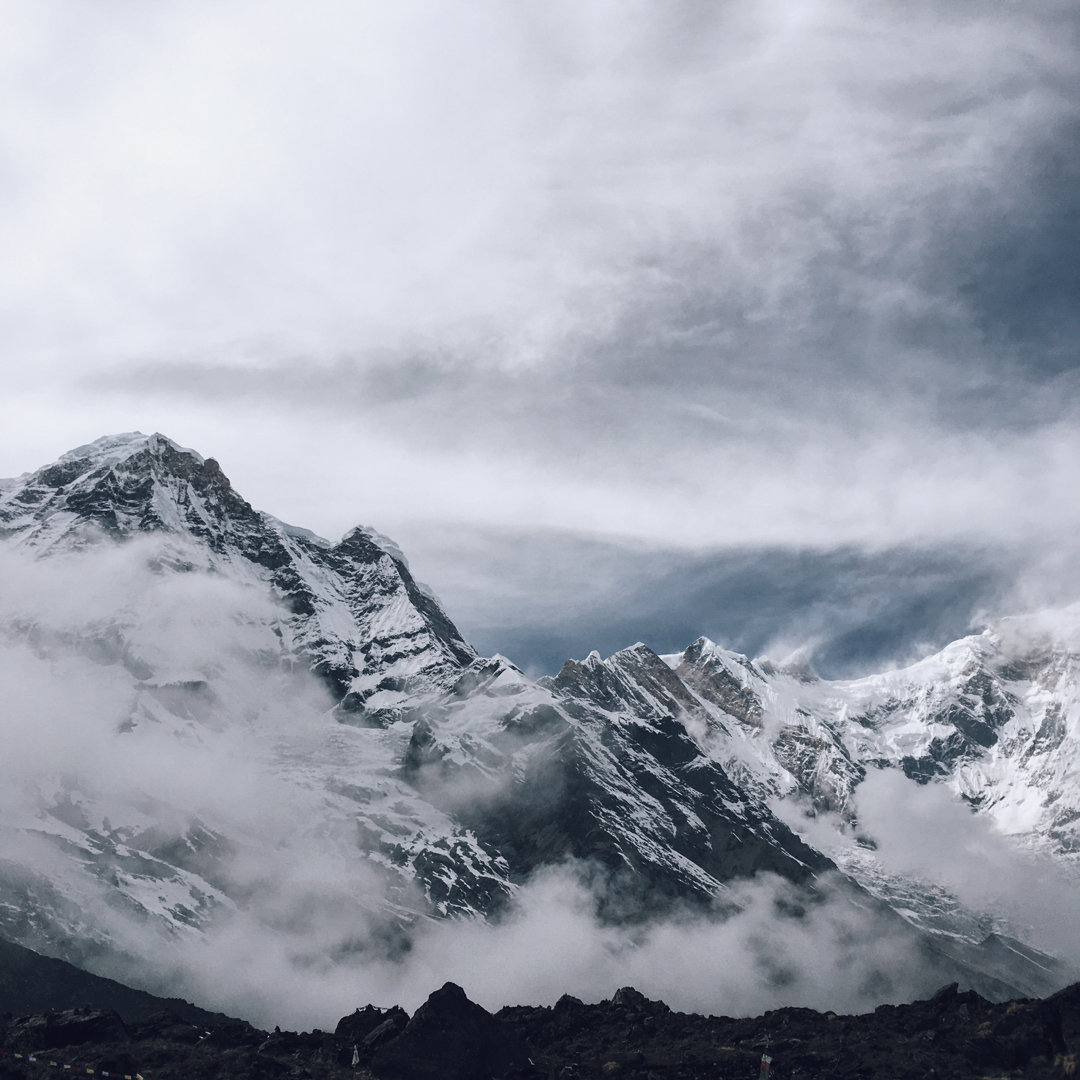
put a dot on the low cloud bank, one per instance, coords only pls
(833, 954)
(928, 832)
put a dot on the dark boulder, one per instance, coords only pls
(569, 1004)
(358, 1025)
(626, 997)
(70, 1027)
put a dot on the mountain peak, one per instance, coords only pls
(364, 624)
(121, 485)
(112, 449)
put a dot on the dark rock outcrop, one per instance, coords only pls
(370, 1027)
(452, 1038)
(71, 1027)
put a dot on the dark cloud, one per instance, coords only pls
(541, 598)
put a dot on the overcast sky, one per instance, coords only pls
(627, 319)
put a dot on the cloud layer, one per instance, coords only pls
(925, 832)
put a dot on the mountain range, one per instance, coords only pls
(234, 743)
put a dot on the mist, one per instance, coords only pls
(837, 955)
(929, 833)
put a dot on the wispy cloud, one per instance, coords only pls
(686, 272)
(927, 832)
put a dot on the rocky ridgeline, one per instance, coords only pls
(953, 1034)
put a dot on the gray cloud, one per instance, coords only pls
(696, 275)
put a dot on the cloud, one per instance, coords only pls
(123, 676)
(609, 271)
(927, 832)
(834, 954)
(543, 596)
(753, 960)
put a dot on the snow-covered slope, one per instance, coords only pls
(211, 686)
(994, 716)
(222, 726)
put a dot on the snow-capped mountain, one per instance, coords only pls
(974, 752)
(367, 628)
(223, 725)
(994, 716)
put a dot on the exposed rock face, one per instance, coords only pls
(357, 616)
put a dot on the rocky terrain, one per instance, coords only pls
(952, 1034)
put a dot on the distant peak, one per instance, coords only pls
(702, 646)
(381, 540)
(639, 651)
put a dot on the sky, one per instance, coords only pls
(633, 320)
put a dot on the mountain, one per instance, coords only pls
(227, 730)
(357, 615)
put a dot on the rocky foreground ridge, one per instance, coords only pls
(952, 1034)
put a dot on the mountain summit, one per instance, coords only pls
(228, 730)
(356, 614)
